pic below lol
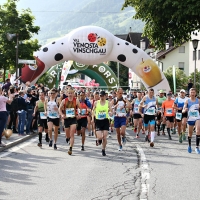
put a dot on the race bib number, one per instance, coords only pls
(179, 116)
(70, 112)
(121, 112)
(83, 112)
(193, 113)
(101, 115)
(151, 111)
(42, 115)
(169, 111)
(136, 110)
(53, 115)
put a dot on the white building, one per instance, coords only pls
(182, 56)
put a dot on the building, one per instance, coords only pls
(181, 56)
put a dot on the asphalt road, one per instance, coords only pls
(165, 171)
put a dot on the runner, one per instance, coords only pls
(120, 117)
(51, 110)
(192, 106)
(82, 120)
(161, 98)
(181, 118)
(168, 112)
(67, 111)
(101, 110)
(42, 118)
(149, 104)
(137, 118)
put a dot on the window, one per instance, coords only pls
(182, 49)
(198, 54)
(193, 55)
(181, 65)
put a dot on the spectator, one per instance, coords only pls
(7, 85)
(22, 108)
(3, 113)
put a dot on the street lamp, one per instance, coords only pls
(10, 36)
(195, 45)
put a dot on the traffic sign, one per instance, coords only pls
(33, 62)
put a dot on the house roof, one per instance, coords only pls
(122, 36)
(135, 38)
(161, 54)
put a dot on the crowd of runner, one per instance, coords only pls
(74, 110)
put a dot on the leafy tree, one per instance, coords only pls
(181, 78)
(123, 73)
(197, 80)
(12, 21)
(167, 19)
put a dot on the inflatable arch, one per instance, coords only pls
(92, 45)
(101, 73)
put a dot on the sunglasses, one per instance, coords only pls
(52, 93)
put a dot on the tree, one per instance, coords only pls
(12, 21)
(181, 78)
(165, 19)
(197, 80)
(123, 73)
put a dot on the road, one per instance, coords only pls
(166, 171)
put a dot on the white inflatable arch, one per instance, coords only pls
(91, 45)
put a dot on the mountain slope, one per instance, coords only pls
(57, 18)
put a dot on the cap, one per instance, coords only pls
(161, 91)
(169, 94)
(102, 93)
(33, 87)
(182, 90)
(110, 94)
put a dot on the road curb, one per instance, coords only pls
(16, 142)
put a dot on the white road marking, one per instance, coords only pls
(144, 172)
(18, 147)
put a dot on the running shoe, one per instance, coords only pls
(97, 143)
(163, 133)
(146, 138)
(67, 140)
(124, 140)
(55, 147)
(100, 142)
(2, 144)
(50, 143)
(197, 150)
(180, 138)
(92, 133)
(184, 137)
(174, 131)
(103, 152)
(137, 136)
(82, 148)
(170, 138)
(189, 149)
(158, 134)
(135, 130)
(120, 148)
(89, 134)
(39, 144)
(109, 135)
(70, 151)
(151, 144)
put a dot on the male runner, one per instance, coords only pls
(161, 98)
(192, 105)
(137, 118)
(42, 119)
(53, 118)
(120, 117)
(101, 111)
(149, 103)
(181, 117)
(82, 120)
(68, 112)
(168, 112)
